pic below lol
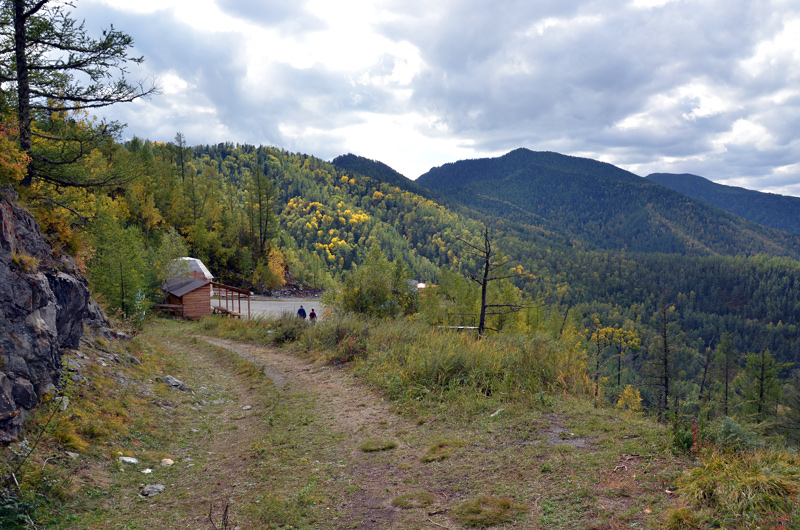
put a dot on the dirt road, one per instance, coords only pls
(286, 444)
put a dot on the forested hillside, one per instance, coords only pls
(769, 209)
(260, 217)
(600, 206)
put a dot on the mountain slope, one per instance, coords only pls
(379, 172)
(600, 206)
(769, 209)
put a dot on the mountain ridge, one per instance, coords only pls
(781, 212)
(601, 205)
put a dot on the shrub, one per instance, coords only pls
(732, 436)
(749, 485)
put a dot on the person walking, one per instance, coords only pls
(312, 316)
(301, 312)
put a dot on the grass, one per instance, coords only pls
(741, 487)
(487, 511)
(440, 450)
(417, 499)
(449, 387)
(373, 445)
(295, 471)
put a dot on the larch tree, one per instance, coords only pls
(665, 346)
(262, 200)
(726, 361)
(491, 263)
(52, 70)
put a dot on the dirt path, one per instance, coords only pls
(287, 451)
(354, 415)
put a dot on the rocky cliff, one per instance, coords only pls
(44, 304)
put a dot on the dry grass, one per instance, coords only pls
(744, 487)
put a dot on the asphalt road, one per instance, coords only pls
(276, 307)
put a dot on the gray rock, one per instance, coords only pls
(171, 381)
(174, 383)
(153, 489)
(72, 297)
(24, 393)
(44, 304)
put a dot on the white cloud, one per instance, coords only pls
(745, 133)
(706, 87)
(650, 4)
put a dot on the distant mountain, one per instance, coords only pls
(769, 209)
(600, 206)
(380, 172)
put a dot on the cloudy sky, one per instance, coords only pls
(710, 87)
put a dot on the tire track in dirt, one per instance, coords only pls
(356, 414)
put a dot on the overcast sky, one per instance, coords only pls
(710, 87)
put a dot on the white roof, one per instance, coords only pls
(195, 265)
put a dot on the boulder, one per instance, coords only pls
(43, 305)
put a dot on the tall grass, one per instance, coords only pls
(756, 488)
(410, 360)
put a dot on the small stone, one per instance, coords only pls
(167, 462)
(173, 382)
(63, 403)
(247, 407)
(147, 471)
(71, 454)
(153, 489)
(128, 460)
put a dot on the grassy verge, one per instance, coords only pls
(496, 432)
(522, 398)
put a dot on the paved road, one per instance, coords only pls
(276, 307)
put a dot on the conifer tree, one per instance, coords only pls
(52, 68)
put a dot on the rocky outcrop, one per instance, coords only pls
(43, 305)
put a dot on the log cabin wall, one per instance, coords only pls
(197, 303)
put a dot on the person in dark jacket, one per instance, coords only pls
(301, 312)
(312, 316)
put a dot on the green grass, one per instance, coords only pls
(487, 511)
(448, 388)
(374, 445)
(750, 487)
(417, 499)
(441, 450)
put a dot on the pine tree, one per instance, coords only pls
(47, 56)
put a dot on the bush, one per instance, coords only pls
(748, 485)
(732, 436)
(377, 289)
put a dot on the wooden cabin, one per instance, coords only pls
(189, 292)
(189, 297)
